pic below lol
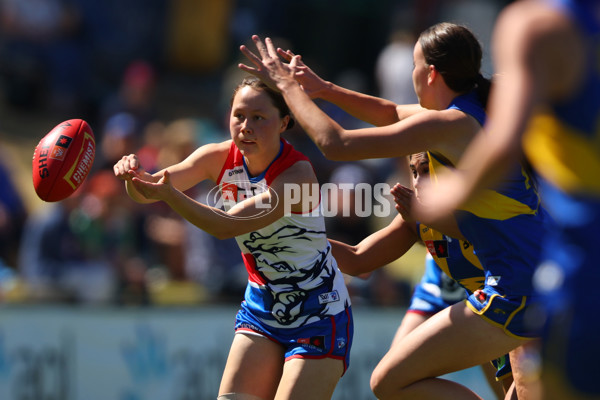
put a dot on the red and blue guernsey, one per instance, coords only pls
(293, 279)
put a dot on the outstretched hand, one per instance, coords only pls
(160, 190)
(269, 67)
(404, 198)
(311, 83)
(128, 167)
(438, 202)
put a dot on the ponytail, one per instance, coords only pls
(482, 87)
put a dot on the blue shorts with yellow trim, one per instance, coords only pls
(502, 367)
(330, 337)
(509, 313)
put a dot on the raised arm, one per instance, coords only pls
(376, 250)
(538, 58)
(426, 130)
(371, 109)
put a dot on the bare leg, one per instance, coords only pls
(410, 321)
(498, 387)
(241, 374)
(451, 340)
(525, 373)
(313, 379)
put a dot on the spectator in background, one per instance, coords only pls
(126, 113)
(12, 214)
(135, 95)
(393, 69)
(85, 248)
(42, 52)
(119, 134)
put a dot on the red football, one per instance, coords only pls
(63, 159)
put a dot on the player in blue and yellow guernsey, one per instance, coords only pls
(452, 94)
(548, 106)
(452, 269)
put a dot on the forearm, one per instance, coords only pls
(371, 109)
(349, 261)
(211, 220)
(376, 250)
(327, 134)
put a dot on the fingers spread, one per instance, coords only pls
(271, 48)
(260, 46)
(250, 55)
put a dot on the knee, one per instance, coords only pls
(382, 386)
(238, 396)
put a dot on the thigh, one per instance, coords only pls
(525, 371)
(313, 379)
(451, 340)
(410, 321)
(254, 366)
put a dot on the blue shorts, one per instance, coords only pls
(330, 337)
(568, 281)
(435, 291)
(509, 313)
(502, 367)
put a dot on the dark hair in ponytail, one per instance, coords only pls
(456, 54)
(483, 86)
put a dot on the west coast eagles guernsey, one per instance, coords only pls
(456, 258)
(293, 279)
(504, 224)
(563, 144)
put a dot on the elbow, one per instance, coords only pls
(334, 150)
(219, 231)
(330, 153)
(223, 234)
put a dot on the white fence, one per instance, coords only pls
(52, 353)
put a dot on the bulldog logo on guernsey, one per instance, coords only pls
(81, 168)
(228, 194)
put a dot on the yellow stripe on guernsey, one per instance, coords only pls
(564, 157)
(489, 203)
(471, 283)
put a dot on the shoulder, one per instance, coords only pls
(299, 172)
(300, 182)
(452, 116)
(544, 40)
(450, 130)
(210, 158)
(530, 22)
(214, 152)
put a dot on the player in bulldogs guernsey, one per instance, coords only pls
(293, 278)
(295, 320)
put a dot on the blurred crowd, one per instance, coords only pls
(154, 77)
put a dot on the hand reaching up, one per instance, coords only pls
(311, 83)
(269, 67)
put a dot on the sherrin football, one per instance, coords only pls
(63, 159)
